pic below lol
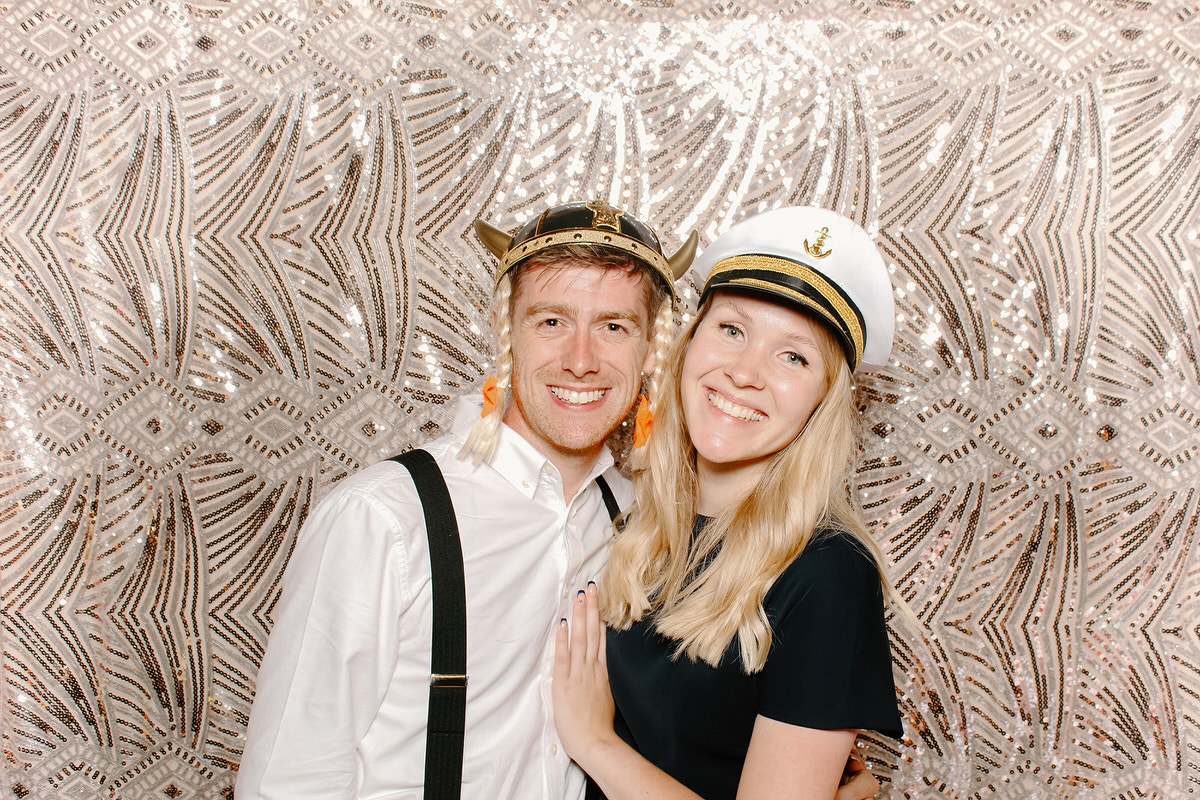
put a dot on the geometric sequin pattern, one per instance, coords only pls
(237, 266)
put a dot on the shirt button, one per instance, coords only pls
(553, 749)
(527, 483)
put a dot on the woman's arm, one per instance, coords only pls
(784, 761)
(583, 712)
(790, 761)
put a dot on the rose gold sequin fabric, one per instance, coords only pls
(237, 266)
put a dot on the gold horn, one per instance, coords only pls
(495, 240)
(682, 259)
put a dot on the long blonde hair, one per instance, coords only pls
(706, 593)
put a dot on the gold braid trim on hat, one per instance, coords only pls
(847, 318)
(605, 238)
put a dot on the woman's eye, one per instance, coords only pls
(797, 359)
(730, 330)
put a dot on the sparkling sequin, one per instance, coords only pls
(237, 265)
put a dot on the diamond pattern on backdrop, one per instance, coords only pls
(237, 266)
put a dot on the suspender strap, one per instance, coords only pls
(592, 790)
(610, 501)
(448, 663)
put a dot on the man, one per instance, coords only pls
(341, 703)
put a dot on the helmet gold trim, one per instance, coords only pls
(592, 223)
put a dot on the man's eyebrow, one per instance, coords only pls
(562, 309)
(547, 308)
(629, 314)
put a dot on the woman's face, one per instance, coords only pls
(752, 375)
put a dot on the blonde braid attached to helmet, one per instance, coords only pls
(663, 335)
(481, 442)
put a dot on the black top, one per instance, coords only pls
(829, 667)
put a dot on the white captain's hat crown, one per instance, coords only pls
(816, 259)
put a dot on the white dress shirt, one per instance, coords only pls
(342, 693)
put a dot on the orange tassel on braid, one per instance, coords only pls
(491, 396)
(644, 423)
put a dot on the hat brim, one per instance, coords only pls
(797, 284)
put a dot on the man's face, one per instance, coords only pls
(580, 345)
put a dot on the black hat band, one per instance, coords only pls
(799, 283)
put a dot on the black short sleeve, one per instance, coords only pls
(830, 666)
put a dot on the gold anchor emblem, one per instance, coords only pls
(814, 249)
(605, 216)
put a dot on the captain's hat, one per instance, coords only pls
(814, 258)
(595, 223)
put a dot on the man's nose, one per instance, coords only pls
(580, 357)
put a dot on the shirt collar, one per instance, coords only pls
(518, 461)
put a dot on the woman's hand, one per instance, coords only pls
(583, 714)
(857, 782)
(583, 704)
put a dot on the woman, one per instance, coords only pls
(744, 597)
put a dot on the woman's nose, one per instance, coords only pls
(746, 370)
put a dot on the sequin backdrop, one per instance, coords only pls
(236, 268)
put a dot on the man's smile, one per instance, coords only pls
(572, 397)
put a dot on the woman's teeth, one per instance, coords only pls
(733, 409)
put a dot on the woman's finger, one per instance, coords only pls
(601, 651)
(562, 650)
(579, 631)
(595, 630)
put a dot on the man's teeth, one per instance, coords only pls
(576, 398)
(733, 409)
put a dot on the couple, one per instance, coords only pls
(744, 596)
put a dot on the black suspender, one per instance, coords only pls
(448, 662)
(610, 502)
